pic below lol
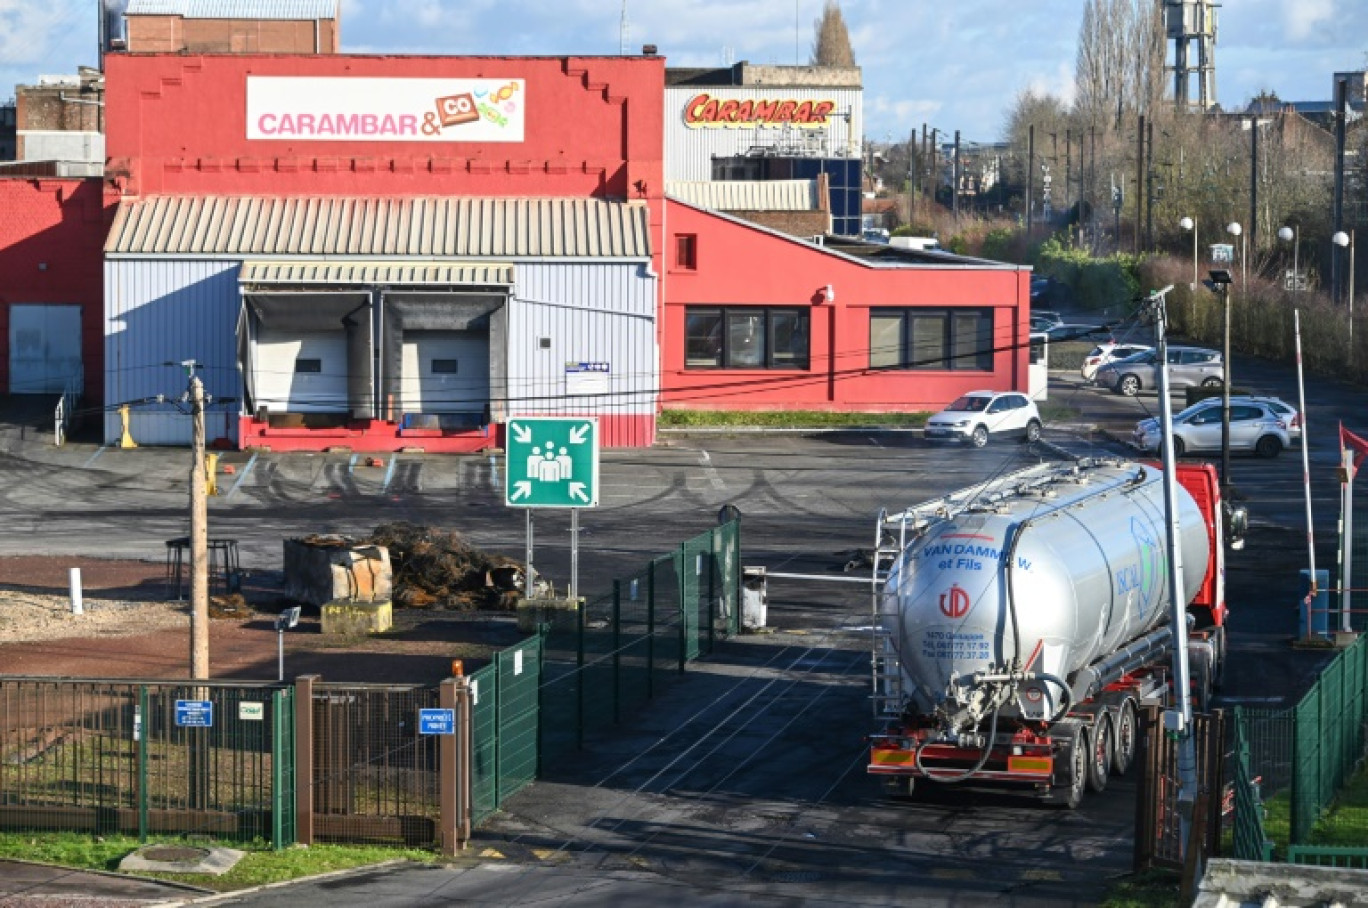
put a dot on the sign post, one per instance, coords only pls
(553, 462)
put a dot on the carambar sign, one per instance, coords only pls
(323, 108)
(703, 111)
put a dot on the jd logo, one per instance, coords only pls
(954, 603)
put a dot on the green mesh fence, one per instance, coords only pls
(484, 768)
(139, 758)
(1250, 842)
(1358, 569)
(504, 725)
(1329, 737)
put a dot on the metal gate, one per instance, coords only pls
(1158, 831)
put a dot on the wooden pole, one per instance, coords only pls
(199, 540)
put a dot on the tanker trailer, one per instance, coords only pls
(1021, 623)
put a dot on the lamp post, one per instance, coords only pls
(1220, 280)
(1343, 239)
(1234, 229)
(1191, 224)
(1293, 234)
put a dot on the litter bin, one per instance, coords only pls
(1319, 625)
(754, 597)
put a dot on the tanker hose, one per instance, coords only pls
(1068, 694)
(968, 773)
(1011, 596)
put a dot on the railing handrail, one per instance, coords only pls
(66, 405)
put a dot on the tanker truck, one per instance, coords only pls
(1021, 623)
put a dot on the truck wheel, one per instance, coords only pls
(1129, 385)
(1071, 773)
(1123, 739)
(1099, 764)
(979, 437)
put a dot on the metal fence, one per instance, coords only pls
(1159, 813)
(618, 650)
(138, 758)
(1310, 751)
(1248, 841)
(373, 777)
(504, 752)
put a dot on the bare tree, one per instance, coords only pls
(831, 45)
(1119, 71)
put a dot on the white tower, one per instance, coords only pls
(1189, 21)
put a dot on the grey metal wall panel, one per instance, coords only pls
(747, 195)
(591, 313)
(689, 151)
(235, 9)
(167, 311)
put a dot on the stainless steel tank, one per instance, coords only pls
(1080, 552)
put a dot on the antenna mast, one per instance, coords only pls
(623, 28)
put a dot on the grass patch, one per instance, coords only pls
(1151, 889)
(786, 419)
(261, 865)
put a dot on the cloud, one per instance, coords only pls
(1304, 17)
(27, 29)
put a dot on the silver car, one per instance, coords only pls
(1254, 426)
(1187, 367)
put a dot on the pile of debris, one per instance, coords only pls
(436, 568)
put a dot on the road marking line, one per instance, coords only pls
(242, 477)
(389, 474)
(710, 472)
(98, 451)
(351, 464)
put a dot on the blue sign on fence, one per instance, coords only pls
(437, 721)
(195, 713)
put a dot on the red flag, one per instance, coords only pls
(1351, 441)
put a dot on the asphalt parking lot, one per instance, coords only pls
(745, 781)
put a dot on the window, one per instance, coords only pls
(959, 339)
(686, 251)
(444, 367)
(745, 338)
(314, 366)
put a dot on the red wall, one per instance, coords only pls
(593, 127)
(60, 224)
(740, 265)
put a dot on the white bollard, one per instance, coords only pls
(76, 607)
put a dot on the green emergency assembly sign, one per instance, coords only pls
(552, 462)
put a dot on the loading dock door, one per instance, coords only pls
(45, 347)
(304, 372)
(444, 372)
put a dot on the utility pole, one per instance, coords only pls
(1252, 231)
(1068, 177)
(1149, 188)
(1341, 94)
(956, 190)
(199, 534)
(1030, 179)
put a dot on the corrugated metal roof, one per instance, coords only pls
(235, 9)
(747, 195)
(390, 273)
(438, 227)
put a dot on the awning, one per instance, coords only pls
(313, 275)
(430, 227)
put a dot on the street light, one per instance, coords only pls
(1220, 281)
(1191, 224)
(1234, 229)
(1343, 239)
(1294, 235)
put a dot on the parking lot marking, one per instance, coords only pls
(709, 471)
(242, 477)
(98, 451)
(389, 474)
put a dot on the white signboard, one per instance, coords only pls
(331, 109)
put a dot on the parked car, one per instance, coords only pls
(1188, 367)
(1286, 412)
(1254, 426)
(1078, 331)
(978, 415)
(1106, 352)
(1042, 323)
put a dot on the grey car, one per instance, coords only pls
(1188, 367)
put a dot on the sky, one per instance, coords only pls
(952, 64)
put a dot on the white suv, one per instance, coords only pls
(980, 414)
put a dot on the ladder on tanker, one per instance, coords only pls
(886, 668)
